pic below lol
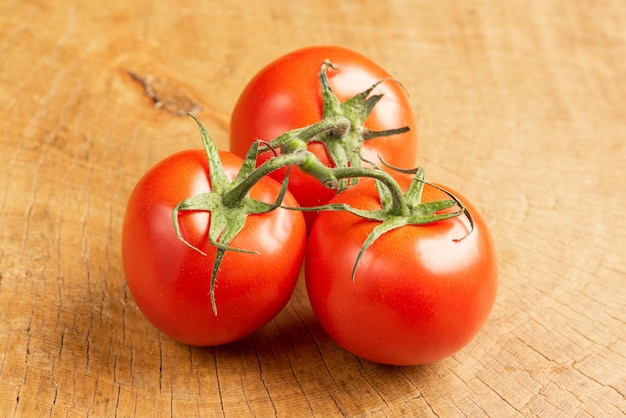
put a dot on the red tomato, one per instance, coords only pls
(286, 95)
(418, 295)
(170, 282)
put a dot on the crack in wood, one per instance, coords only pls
(166, 95)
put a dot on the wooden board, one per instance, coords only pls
(521, 106)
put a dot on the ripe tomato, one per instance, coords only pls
(418, 295)
(170, 281)
(286, 95)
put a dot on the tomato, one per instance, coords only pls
(419, 293)
(286, 95)
(170, 281)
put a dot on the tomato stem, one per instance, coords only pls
(293, 147)
(398, 204)
(329, 177)
(334, 126)
(235, 196)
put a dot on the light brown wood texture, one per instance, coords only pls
(521, 107)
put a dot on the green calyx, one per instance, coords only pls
(397, 209)
(228, 202)
(343, 143)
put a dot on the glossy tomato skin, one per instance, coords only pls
(170, 282)
(418, 296)
(286, 95)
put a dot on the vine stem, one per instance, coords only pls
(293, 146)
(398, 206)
(294, 152)
(234, 197)
(329, 177)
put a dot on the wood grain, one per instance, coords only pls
(521, 106)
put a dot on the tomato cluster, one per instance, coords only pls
(398, 270)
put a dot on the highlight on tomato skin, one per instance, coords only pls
(419, 294)
(170, 282)
(286, 95)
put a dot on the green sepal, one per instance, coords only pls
(249, 163)
(383, 194)
(330, 102)
(369, 134)
(219, 181)
(362, 103)
(379, 230)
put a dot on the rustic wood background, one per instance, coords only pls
(521, 106)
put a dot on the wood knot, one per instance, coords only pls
(166, 95)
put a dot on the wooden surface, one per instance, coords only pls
(521, 107)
